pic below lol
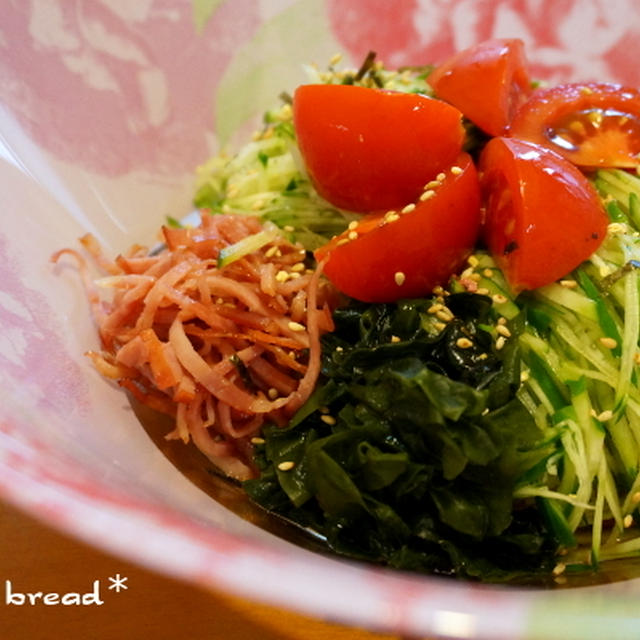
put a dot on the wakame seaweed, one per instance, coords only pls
(409, 450)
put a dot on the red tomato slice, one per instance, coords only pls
(392, 255)
(543, 217)
(371, 149)
(487, 82)
(592, 124)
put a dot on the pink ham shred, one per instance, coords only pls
(224, 351)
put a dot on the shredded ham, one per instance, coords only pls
(224, 351)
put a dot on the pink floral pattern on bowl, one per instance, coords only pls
(106, 107)
(95, 83)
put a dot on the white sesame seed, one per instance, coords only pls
(282, 276)
(503, 331)
(295, 326)
(256, 440)
(487, 273)
(434, 308)
(456, 170)
(500, 342)
(441, 177)
(352, 235)
(298, 266)
(395, 339)
(353, 225)
(409, 208)
(635, 498)
(498, 298)
(608, 343)
(327, 419)
(427, 195)
(464, 343)
(559, 568)
(287, 465)
(472, 260)
(271, 251)
(399, 278)
(569, 284)
(604, 416)
(628, 521)
(432, 184)
(342, 241)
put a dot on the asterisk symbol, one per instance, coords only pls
(118, 583)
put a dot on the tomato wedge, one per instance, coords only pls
(590, 124)
(487, 82)
(405, 253)
(371, 149)
(542, 216)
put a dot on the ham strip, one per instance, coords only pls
(222, 350)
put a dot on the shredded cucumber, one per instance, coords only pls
(580, 346)
(247, 245)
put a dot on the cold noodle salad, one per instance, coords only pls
(408, 318)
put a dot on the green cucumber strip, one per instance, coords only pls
(634, 210)
(556, 521)
(247, 245)
(629, 339)
(607, 323)
(598, 519)
(615, 212)
(542, 372)
(570, 299)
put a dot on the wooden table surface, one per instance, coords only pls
(35, 558)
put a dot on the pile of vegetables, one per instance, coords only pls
(478, 406)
